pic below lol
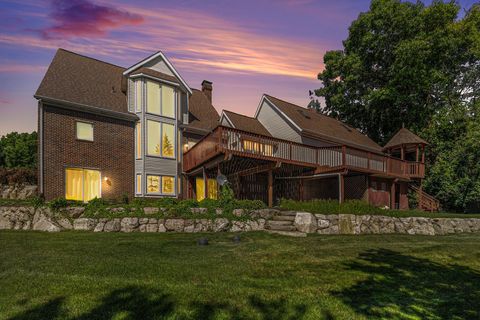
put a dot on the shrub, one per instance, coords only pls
(18, 176)
(37, 201)
(249, 204)
(57, 204)
(125, 198)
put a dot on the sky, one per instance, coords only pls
(246, 48)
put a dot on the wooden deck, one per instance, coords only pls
(225, 140)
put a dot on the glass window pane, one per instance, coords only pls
(153, 97)
(168, 102)
(153, 184)
(212, 189)
(153, 138)
(200, 188)
(168, 140)
(74, 184)
(168, 185)
(139, 184)
(138, 95)
(138, 140)
(91, 185)
(84, 131)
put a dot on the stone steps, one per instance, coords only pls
(288, 233)
(281, 227)
(288, 213)
(279, 223)
(283, 218)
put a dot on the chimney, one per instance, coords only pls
(207, 89)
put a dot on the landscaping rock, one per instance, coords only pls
(150, 210)
(161, 228)
(218, 211)
(65, 223)
(74, 212)
(85, 224)
(151, 227)
(221, 224)
(42, 222)
(199, 210)
(238, 212)
(305, 222)
(112, 226)
(99, 227)
(174, 225)
(129, 224)
(143, 220)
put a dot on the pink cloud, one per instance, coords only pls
(85, 18)
(6, 67)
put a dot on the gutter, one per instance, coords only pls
(64, 104)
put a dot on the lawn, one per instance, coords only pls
(73, 275)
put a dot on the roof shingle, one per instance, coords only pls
(245, 123)
(404, 136)
(202, 115)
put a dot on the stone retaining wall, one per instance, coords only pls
(17, 191)
(42, 219)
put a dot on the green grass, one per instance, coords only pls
(361, 208)
(72, 275)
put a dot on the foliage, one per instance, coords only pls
(82, 275)
(57, 204)
(13, 176)
(409, 64)
(37, 202)
(18, 150)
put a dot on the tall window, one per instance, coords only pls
(160, 139)
(138, 140)
(161, 185)
(84, 131)
(138, 189)
(138, 95)
(160, 99)
(82, 184)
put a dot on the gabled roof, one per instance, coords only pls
(311, 123)
(245, 123)
(202, 115)
(404, 136)
(76, 79)
(154, 56)
(155, 74)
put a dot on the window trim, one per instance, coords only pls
(138, 109)
(160, 193)
(175, 102)
(85, 122)
(147, 154)
(138, 129)
(137, 185)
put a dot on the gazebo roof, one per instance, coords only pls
(404, 136)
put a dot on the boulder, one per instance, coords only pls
(221, 224)
(43, 223)
(99, 227)
(151, 227)
(305, 222)
(112, 226)
(74, 212)
(129, 224)
(65, 223)
(199, 210)
(143, 220)
(238, 212)
(174, 225)
(86, 224)
(150, 210)
(161, 228)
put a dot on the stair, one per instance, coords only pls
(283, 224)
(426, 202)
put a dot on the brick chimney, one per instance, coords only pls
(207, 89)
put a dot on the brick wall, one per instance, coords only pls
(111, 152)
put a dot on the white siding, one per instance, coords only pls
(276, 124)
(160, 66)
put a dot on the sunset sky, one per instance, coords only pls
(245, 48)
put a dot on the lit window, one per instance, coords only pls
(200, 188)
(168, 185)
(168, 141)
(84, 131)
(138, 140)
(138, 96)
(153, 184)
(153, 97)
(138, 189)
(168, 102)
(212, 189)
(82, 184)
(153, 137)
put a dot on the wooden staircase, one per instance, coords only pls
(284, 224)
(426, 202)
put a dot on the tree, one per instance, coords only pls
(18, 150)
(402, 63)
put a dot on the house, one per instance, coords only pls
(142, 131)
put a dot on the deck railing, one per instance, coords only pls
(242, 143)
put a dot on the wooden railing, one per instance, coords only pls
(246, 144)
(425, 201)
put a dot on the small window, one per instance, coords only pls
(153, 184)
(84, 131)
(138, 140)
(138, 96)
(168, 140)
(168, 102)
(153, 97)
(138, 189)
(168, 185)
(161, 184)
(153, 138)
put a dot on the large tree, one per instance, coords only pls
(18, 150)
(401, 64)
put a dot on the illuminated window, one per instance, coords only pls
(153, 184)
(212, 189)
(84, 131)
(168, 185)
(82, 184)
(153, 138)
(138, 140)
(138, 96)
(153, 97)
(138, 189)
(200, 188)
(168, 102)
(256, 147)
(168, 140)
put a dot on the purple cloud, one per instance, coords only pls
(85, 18)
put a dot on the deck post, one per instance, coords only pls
(392, 195)
(270, 188)
(341, 188)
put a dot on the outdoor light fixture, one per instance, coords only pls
(107, 180)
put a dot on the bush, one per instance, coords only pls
(330, 206)
(37, 201)
(57, 204)
(18, 176)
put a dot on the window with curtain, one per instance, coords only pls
(82, 184)
(84, 131)
(138, 95)
(200, 188)
(153, 97)
(138, 140)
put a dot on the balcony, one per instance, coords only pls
(225, 140)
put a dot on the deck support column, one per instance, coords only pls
(341, 188)
(270, 188)
(392, 195)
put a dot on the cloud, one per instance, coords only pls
(84, 18)
(6, 67)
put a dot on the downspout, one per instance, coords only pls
(40, 146)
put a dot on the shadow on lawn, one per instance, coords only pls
(141, 303)
(401, 287)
